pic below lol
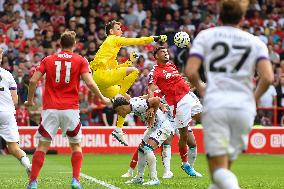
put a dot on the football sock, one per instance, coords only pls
(225, 179)
(167, 155)
(119, 122)
(127, 82)
(37, 163)
(151, 161)
(183, 154)
(76, 161)
(192, 154)
(25, 161)
(134, 159)
(141, 164)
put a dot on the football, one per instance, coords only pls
(181, 39)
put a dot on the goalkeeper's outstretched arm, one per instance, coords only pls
(123, 41)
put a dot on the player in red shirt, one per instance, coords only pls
(61, 104)
(183, 104)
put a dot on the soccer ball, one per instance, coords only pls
(181, 39)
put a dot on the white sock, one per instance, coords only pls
(151, 160)
(225, 179)
(167, 155)
(192, 154)
(213, 186)
(141, 164)
(25, 161)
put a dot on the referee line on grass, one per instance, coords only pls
(98, 181)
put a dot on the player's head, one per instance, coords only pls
(113, 28)
(232, 11)
(161, 54)
(67, 39)
(121, 106)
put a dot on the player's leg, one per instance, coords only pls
(9, 132)
(76, 161)
(37, 162)
(46, 131)
(70, 124)
(18, 153)
(132, 165)
(139, 178)
(186, 107)
(217, 135)
(166, 156)
(151, 160)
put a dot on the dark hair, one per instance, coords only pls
(231, 12)
(110, 25)
(67, 39)
(157, 49)
(120, 101)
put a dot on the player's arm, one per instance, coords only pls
(123, 41)
(154, 104)
(151, 89)
(14, 96)
(266, 77)
(32, 87)
(93, 86)
(191, 71)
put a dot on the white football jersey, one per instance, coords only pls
(140, 106)
(7, 83)
(229, 58)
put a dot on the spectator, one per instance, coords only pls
(22, 116)
(109, 116)
(267, 101)
(84, 110)
(280, 99)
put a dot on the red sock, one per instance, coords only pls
(37, 162)
(134, 159)
(183, 153)
(76, 160)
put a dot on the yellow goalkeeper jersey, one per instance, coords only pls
(105, 58)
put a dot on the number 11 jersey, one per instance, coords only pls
(63, 71)
(229, 57)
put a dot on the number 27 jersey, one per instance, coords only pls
(229, 57)
(63, 71)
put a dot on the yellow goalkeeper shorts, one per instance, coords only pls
(108, 80)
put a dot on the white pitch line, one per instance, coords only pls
(98, 181)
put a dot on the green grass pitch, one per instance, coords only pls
(253, 171)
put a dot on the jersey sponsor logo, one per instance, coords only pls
(258, 140)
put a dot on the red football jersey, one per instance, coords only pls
(63, 71)
(169, 81)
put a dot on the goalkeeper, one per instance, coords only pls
(113, 78)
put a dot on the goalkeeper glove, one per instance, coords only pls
(133, 56)
(161, 38)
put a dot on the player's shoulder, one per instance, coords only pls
(6, 72)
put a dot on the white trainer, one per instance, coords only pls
(120, 137)
(128, 174)
(135, 180)
(152, 182)
(168, 175)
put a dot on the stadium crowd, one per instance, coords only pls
(30, 30)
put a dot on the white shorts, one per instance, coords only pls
(186, 108)
(226, 131)
(8, 127)
(67, 120)
(159, 134)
